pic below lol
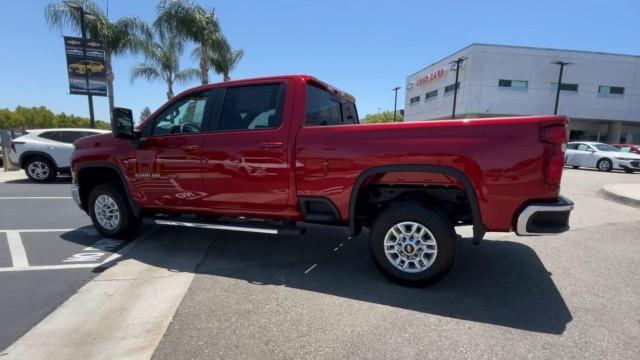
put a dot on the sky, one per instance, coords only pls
(363, 47)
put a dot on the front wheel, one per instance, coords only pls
(604, 165)
(110, 212)
(412, 245)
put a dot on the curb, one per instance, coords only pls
(612, 195)
(12, 175)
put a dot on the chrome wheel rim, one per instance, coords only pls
(604, 165)
(410, 247)
(38, 170)
(107, 212)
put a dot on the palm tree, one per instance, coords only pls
(223, 62)
(120, 36)
(195, 23)
(162, 63)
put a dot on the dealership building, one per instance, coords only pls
(600, 92)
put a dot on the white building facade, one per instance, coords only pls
(600, 92)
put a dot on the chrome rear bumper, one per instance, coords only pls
(545, 218)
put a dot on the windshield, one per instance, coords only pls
(605, 147)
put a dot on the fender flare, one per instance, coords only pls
(99, 164)
(478, 227)
(31, 153)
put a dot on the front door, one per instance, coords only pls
(246, 157)
(169, 156)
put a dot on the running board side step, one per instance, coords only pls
(284, 230)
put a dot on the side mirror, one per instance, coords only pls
(122, 124)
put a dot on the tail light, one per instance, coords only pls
(555, 144)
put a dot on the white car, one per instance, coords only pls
(45, 153)
(601, 156)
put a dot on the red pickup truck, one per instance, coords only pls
(267, 155)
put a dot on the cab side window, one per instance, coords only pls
(187, 115)
(324, 108)
(252, 107)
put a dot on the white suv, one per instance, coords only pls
(45, 153)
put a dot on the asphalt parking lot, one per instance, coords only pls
(575, 295)
(54, 251)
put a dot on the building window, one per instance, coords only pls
(611, 90)
(564, 87)
(430, 95)
(414, 100)
(514, 84)
(449, 88)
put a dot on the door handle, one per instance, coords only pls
(271, 144)
(190, 147)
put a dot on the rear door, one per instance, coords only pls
(246, 153)
(169, 156)
(57, 147)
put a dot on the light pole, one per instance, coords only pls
(458, 63)
(395, 102)
(83, 15)
(562, 65)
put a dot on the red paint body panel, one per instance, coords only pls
(234, 174)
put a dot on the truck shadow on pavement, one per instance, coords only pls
(499, 282)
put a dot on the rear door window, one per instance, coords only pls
(253, 107)
(51, 135)
(70, 136)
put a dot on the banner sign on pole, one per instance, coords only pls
(87, 72)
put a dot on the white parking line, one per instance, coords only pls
(37, 230)
(50, 267)
(20, 261)
(16, 250)
(34, 197)
(311, 268)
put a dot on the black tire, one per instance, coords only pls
(604, 165)
(576, 167)
(40, 169)
(628, 171)
(443, 234)
(127, 223)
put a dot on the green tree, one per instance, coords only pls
(383, 117)
(144, 113)
(39, 117)
(193, 22)
(126, 34)
(162, 63)
(225, 60)
(11, 120)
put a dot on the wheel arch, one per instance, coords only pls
(25, 156)
(478, 227)
(89, 175)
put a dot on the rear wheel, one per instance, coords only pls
(40, 169)
(412, 245)
(604, 165)
(110, 212)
